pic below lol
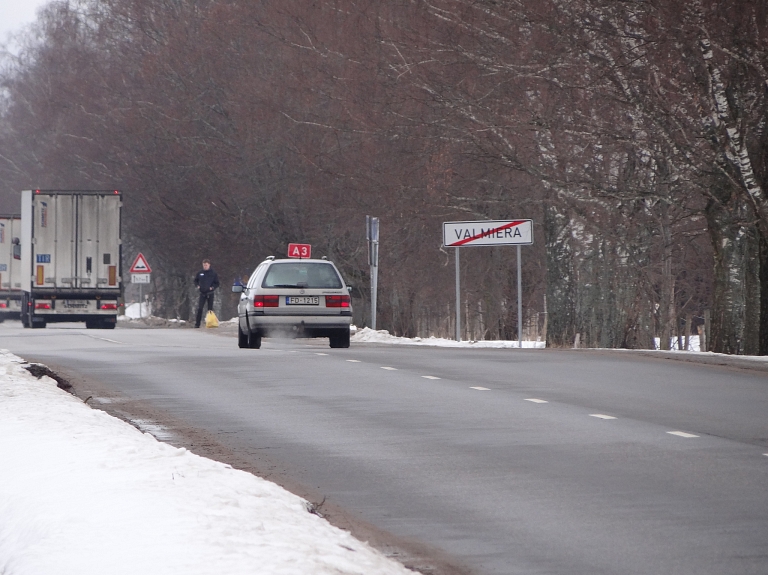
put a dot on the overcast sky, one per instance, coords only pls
(14, 14)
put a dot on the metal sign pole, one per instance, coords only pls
(458, 297)
(374, 285)
(372, 232)
(519, 300)
(141, 296)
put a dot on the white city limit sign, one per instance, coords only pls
(487, 233)
(140, 278)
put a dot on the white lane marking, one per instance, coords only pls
(601, 416)
(390, 368)
(534, 400)
(102, 338)
(321, 354)
(481, 388)
(681, 434)
(353, 360)
(429, 377)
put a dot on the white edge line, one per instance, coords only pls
(353, 360)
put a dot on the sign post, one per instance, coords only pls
(140, 271)
(489, 233)
(372, 233)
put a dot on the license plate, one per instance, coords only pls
(302, 300)
(75, 304)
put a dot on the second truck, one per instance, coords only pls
(71, 252)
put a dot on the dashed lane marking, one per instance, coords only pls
(321, 354)
(481, 388)
(353, 360)
(534, 400)
(681, 434)
(102, 338)
(390, 368)
(601, 416)
(429, 377)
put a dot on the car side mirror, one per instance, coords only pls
(237, 288)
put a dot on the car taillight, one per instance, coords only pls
(42, 306)
(266, 301)
(337, 301)
(109, 306)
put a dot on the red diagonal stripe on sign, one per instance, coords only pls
(486, 233)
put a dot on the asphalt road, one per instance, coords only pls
(623, 464)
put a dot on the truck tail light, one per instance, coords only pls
(262, 301)
(337, 301)
(3, 305)
(109, 306)
(42, 305)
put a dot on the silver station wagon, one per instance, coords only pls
(294, 298)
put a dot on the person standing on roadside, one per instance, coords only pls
(206, 281)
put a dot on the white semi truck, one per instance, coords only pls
(71, 252)
(10, 267)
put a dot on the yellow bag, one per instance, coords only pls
(211, 320)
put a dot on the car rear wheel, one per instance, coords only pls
(254, 341)
(242, 338)
(341, 339)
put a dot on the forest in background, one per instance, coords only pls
(632, 132)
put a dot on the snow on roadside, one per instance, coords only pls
(383, 336)
(82, 492)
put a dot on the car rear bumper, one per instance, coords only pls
(296, 326)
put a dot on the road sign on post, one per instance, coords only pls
(489, 233)
(372, 233)
(140, 271)
(140, 265)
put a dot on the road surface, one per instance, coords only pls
(508, 461)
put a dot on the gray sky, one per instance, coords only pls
(14, 14)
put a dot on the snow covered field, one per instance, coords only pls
(82, 492)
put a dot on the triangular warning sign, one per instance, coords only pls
(140, 265)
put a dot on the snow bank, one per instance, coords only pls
(82, 492)
(383, 336)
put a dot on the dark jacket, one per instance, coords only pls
(205, 280)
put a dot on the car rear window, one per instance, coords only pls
(302, 275)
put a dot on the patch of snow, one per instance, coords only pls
(383, 336)
(137, 310)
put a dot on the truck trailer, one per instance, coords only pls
(71, 254)
(10, 266)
